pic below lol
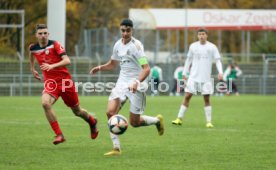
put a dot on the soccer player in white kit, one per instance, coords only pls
(200, 56)
(129, 53)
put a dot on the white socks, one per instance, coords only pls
(208, 113)
(181, 112)
(149, 120)
(115, 141)
(207, 110)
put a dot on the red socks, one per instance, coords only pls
(91, 120)
(57, 130)
(55, 127)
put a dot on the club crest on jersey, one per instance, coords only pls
(47, 51)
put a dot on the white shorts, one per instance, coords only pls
(137, 100)
(204, 88)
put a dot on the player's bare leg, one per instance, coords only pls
(187, 99)
(182, 109)
(80, 112)
(206, 100)
(136, 121)
(113, 108)
(47, 102)
(208, 111)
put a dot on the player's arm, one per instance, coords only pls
(218, 63)
(65, 60)
(219, 68)
(143, 74)
(110, 65)
(32, 64)
(187, 65)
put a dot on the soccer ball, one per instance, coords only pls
(117, 124)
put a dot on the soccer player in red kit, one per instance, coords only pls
(52, 58)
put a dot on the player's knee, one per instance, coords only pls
(77, 112)
(109, 114)
(46, 105)
(188, 97)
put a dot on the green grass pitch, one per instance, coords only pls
(244, 136)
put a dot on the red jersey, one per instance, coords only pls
(50, 54)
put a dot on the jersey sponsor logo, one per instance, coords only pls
(124, 61)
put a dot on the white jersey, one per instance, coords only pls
(128, 56)
(201, 56)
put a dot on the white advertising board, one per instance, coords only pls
(222, 19)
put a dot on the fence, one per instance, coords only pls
(161, 43)
(257, 78)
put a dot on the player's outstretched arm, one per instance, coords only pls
(110, 65)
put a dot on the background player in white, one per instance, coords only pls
(201, 55)
(129, 53)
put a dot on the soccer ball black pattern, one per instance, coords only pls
(117, 124)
